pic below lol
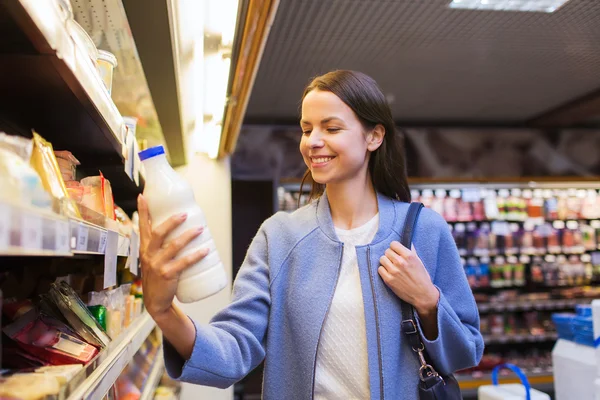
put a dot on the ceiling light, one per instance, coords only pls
(547, 6)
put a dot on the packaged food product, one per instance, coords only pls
(20, 146)
(19, 183)
(49, 339)
(45, 164)
(167, 193)
(62, 373)
(67, 164)
(97, 195)
(77, 314)
(131, 123)
(106, 63)
(29, 387)
(99, 312)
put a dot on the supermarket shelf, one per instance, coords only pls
(503, 339)
(531, 305)
(527, 256)
(26, 231)
(61, 95)
(102, 373)
(158, 368)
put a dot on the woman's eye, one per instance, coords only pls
(306, 132)
(332, 130)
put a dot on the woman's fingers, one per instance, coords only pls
(174, 268)
(160, 233)
(145, 224)
(400, 249)
(177, 244)
(388, 265)
(385, 275)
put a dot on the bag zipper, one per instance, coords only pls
(337, 279)
(379, 357)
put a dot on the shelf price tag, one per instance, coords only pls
(110, 258)
(134, 245)
(31, 231)
(62, 237)
(4, 226)
(102, 243)
(82, 237)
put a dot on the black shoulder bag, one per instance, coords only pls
(432, 386)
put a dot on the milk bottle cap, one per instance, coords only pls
(151, 152)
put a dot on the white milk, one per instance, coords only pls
(168, 194)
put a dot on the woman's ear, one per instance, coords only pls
(375, 138)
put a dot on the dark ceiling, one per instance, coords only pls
(437, 65)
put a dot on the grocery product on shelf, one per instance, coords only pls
(19, 182)
(167, 194)
(106, 63)
(97, 196)
(45, 164)
(29, 386)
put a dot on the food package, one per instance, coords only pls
(62, 373)
(97, 195)
(29, 386)
(19, 182)
(67, 164)
(115, 312)
(45, 164)
(124, 222)
(126, 389)
(49, 340)
(77, 314)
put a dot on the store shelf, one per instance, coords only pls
(153, 380)
(537, 305)
(60, 93)
(542, 381)
(504, 339)
(102, 373)
(26, 231)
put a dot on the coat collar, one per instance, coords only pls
(387, 217)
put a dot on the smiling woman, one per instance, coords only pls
(346, 112)
(319, 292)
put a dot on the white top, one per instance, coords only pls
(342, 362)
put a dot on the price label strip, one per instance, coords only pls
(94, 240)
(49, 234)
(110, 259)
(62, 237)
(4, 226)
(102, 243)
(134, 253)
(31, 232)
(82, 237)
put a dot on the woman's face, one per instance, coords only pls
(334, 144)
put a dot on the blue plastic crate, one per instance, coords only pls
(564, 325)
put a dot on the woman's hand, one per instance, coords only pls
(402, 270)
(160, 272)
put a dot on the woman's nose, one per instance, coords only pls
(315, 139)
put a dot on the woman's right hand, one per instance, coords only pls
(160, 271)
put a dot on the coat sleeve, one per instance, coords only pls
(233, 343)
(459, 343)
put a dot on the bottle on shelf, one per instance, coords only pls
(167, 193)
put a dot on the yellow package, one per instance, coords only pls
(44, 162)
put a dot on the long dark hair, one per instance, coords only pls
(361, 93)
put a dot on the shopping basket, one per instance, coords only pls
(510, 391)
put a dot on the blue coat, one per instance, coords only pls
(282, 294)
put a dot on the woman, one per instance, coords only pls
(318, 294)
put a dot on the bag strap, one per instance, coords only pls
(408, 325)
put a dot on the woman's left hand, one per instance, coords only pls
(402, 270)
